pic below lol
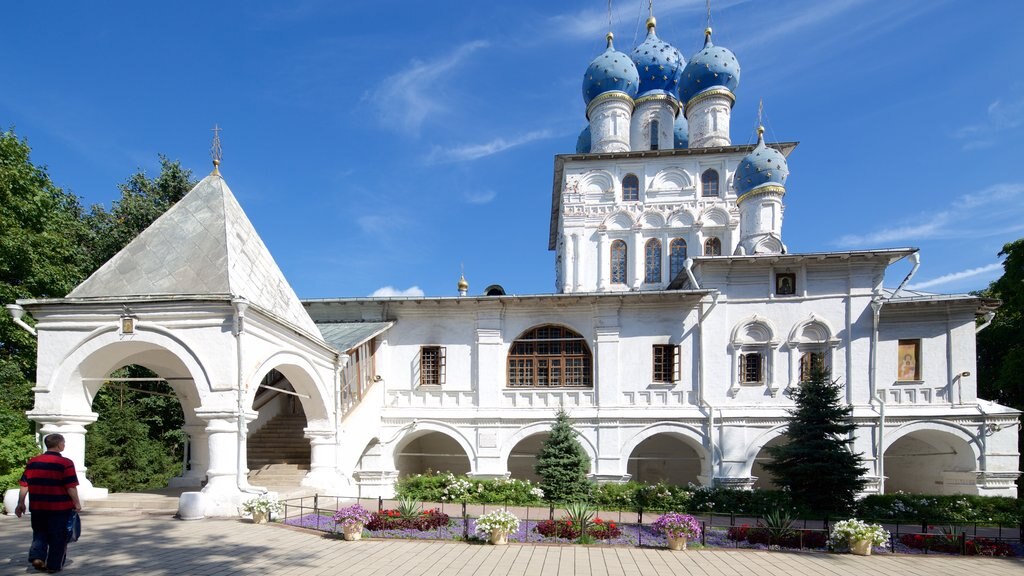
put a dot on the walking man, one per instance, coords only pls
(51, 483)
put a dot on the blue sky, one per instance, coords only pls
(384, 145)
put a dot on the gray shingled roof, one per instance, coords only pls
(344, 336)
(204, 244)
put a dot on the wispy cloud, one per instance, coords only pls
(475, 151)
(1000, 116)
(403, 100)
(479, 196)
(390, 291)
(954, 276)
(992, 211)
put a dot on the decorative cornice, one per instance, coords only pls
(761, 191)
(676, 106)
(707, 95)
(606, 96)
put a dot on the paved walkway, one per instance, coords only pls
(163, 546)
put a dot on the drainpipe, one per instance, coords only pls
(688, 267)
(916, 259)
(240, 305)
(16, 312)
(700, 377)
(989, 316)
(881, 443)
(874, 395)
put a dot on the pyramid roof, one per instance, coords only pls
(203, 245)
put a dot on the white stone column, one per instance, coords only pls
(489, 370)
(603, 261)
(72, 427)
(223, 495)
(199, 459)
(577, 263)
(636, 268)
(323, 464)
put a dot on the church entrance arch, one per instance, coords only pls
(765, 479)
(668, 458)
(931, 461)
(428, 450)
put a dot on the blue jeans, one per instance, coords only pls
(49, 537)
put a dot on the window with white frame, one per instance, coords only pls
(630, 188)
(810, 344)
(666, 363)
(652, 261)
(618, 262)
(753, 343)
(709, 183)
(432, 365)
(811, 360)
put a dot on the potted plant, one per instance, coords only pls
(351, 520)
(678, 528)
(858, 536)
(497, 525)
(261, 507)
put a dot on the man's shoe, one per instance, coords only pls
(38, 564)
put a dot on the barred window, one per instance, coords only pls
(630, 188)
(709, 183)
(652, 264)
(432, 365)
(751, 368)
(550, 356)
(666, 363)
(712, 247)
(618, 262)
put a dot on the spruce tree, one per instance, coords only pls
(817, 465)
(562, 464)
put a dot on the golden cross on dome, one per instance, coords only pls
(215, 150)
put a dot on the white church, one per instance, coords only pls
(679, 325)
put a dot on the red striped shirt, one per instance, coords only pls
(48, 477)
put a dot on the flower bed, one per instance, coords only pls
(392, 520)
(814, 539)
(598, 529)
(978, 546)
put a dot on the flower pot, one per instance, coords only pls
(259, 517)
(676, 542)
(352, 531)
(499, 537)
(861, 547)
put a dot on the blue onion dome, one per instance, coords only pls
(659, 64)
(583, 142)
(712, 67)
(763, 170)
(681, 133)
(612, 71)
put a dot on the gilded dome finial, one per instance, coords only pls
(651, 23)
(610, 36)
(215, 150)
(463, 285)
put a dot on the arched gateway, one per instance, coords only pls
(197, 299)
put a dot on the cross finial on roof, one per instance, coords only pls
(215, 150)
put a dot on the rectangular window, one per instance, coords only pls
(666, 363)
(432, 365)
(751, 368)
(808, 362)
(909, 361)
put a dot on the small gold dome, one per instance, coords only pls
(651, 22)
(463, 285)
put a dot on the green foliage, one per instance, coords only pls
(431, 488)
(731, 501)
(143, 200)
(562, 464)
(816, 465)
(137, 441)
(941, 509)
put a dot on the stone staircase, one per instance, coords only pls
(278, 454)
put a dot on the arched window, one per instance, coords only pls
(676, 257)
(618, 262)
(550, 356)
(654, 134)
(652, 263)
(709, 183)
(630, 188)
(712, 247)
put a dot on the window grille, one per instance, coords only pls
(709, 183)
(618, 262)
(550, 356)
(751, 368)
(666, 363)
(630, 188)
(432, 365)
(676, 257)
(652, 264)
(712, 247)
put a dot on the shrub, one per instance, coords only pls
(942, 509)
